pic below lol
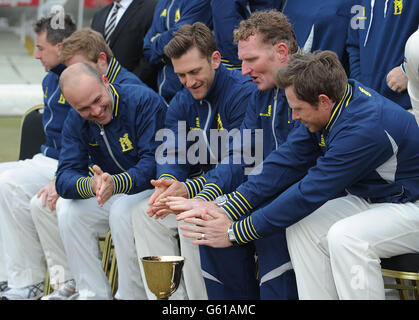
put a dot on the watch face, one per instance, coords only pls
(221, 200)
(230, 234)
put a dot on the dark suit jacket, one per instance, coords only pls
(127, 39)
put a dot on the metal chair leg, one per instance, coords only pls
(47, 284)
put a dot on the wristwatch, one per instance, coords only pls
(231, 236)
(221, 200)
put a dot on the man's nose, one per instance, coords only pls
(37, 54)
(190, 81)
(96, 110)
(245, 68)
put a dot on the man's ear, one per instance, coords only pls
(216, 59)
(102, 62)
(102, 58)
(105, 81)
(282, 51)
(58, 48)
(325, 102)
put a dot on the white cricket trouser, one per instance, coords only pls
(336, 250)
(159, 237)
(80, 222)
(3, 270)
(46, 224)
(23, 254)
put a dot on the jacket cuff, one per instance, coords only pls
(194, 186)
(236, 206)
(84, 188)
(167, 176)
(403, 69)
(122, 183)
(210, 192)
(244, 231)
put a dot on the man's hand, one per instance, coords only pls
(163, 189)
(102, 185)
(97, 178)
(49, 194)
(213, 224)
(106, 189)
(397, 80)
(178, 205)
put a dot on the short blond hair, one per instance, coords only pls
(86, 42)
(272, 25)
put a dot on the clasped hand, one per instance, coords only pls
(164, 188)
(102, 185)
(201, 218)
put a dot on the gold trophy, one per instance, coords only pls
(163, 274)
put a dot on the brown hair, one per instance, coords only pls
(86, 42)
(187, 36)
(272, 25)
(55, 34)
(313, 74)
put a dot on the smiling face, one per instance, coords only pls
(260, 60)
(45, 51)
(315, 118)
(195, 72)
(91, 99)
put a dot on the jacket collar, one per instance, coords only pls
(217, 83)
(58, 69)
(338, 107)
(115, 97)
(113, 69)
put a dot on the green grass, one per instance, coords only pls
(9, 138)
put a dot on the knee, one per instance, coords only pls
(294, 233)
(7, 176)
(139, 213)
(36, 207)
(69, 213)
(120, 220)
(339, 235)
(122, 212)
(6, 179)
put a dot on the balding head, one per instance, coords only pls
(87, 92)
(73, 74)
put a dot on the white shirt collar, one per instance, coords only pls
(125, 3)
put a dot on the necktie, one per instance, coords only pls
(110, 27)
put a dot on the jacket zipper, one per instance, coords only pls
(163, 81)
(206, 127)
(50, 119)
(168, 15)
(103, 134)
(164, 68)
(274, 116)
